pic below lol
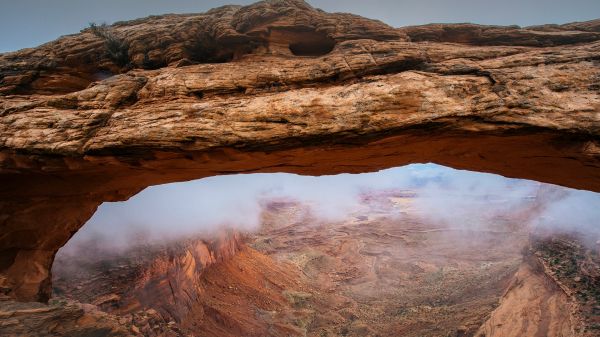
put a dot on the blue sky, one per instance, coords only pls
(28, 23)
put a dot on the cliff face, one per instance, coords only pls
(532, 306)
(218, 287)
(278, 86)
(554, 293)
(147, 291)
(163, 278)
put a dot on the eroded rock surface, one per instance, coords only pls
(186, 287)
(60, 318)
(556, 287)
(278, 86)
(164, 278)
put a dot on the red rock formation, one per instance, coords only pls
(296, 90)
(163, 278)
(218, 287)
(539, 36)
(61, 318)
(556, 287)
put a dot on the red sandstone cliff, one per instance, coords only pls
(217, 287)
(164, 277)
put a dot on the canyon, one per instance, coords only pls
(277, 86)
(383, 270)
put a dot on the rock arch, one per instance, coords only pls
(515, 106)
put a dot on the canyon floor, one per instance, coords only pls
(386, 272)
(383, 270)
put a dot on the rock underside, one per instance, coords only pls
(278, 86)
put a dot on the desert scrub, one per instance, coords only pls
(117, 49)
(576, 267)
(298, 299)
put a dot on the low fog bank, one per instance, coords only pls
(448, 197)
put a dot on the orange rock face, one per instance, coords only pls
(163, 278)
(278, 86)
(219, 287)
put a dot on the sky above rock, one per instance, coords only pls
(28, 23)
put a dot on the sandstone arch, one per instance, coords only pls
(516, 102)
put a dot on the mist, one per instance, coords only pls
(445, 197)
